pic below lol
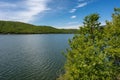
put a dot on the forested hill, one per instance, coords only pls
(10, 27)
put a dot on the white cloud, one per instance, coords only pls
(24, 11)
(103, 23)
(73, 10)
(70, 27)
(73, 17)
(82, 5)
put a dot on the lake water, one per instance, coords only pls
(32, 57)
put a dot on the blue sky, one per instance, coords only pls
(56, 13)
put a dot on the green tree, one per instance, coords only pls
(112, 33)
(90, 24)
(90, 56)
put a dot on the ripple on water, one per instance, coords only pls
(31, 57)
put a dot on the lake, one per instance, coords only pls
(32, 57)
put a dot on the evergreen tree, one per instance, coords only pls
(112, 34)
(94, 52)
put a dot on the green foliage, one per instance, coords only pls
(94, 54)
(91, 20)
(23, 28)
(112, 33)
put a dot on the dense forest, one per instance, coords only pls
(94, 54)
(10, 27)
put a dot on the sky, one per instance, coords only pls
(57, 13)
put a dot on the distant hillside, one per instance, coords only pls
(10, 27)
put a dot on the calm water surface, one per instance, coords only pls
(32, 57)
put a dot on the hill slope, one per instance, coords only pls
(24, 28)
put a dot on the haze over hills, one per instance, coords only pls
(10, 27)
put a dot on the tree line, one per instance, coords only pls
(10, 27)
